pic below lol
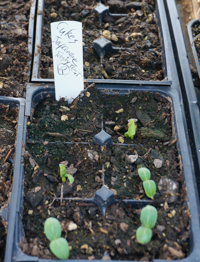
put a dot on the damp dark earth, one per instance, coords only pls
(14, 65)
(8, 126)
(63, 133)
(132, 29)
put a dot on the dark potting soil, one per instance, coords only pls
(14, 66)
(8, 130)
(154, 146)
(135, 35)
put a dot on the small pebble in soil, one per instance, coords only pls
(158, 163)
(53, 15)
(117, 241)
(93, 155)
(120, 139)
(169, 189)
(67, 188)
(34, 196)
(71, 226)
(117, 128)
(160, 228)
(131, 158)
(124, 227)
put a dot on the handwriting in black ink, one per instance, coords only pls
(64, 32)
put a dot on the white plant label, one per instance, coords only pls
(67, 47)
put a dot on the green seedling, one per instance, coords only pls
(148, 218)
(63, 174)
(148, 184)
(58, 245)
(131, 130)
(144, 173)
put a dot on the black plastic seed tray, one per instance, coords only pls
(9, 213)
(104, 197)
(190, 97)
(103, 46)
(190, 26)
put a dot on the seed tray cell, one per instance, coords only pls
(131, 55)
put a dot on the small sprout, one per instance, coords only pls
(63, 174)
(148, 184)
(148, 218)
(58, 245)
(131, 130)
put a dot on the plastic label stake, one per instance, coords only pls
(67, 48)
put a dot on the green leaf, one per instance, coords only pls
(131, 130)
(143, 235)
(52, 228)
(60, 248)
(148, 216)
(63, 172)
(71, 178)
(144, 173)
(149, 188)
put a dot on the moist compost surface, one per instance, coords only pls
(8, 125)
(51, 141)
(14, 57)
(136, 35)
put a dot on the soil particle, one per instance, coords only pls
(34, 196)
(66, 188)
(169, 189)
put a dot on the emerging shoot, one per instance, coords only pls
(131, 130)
(148, 218)
(63, 174)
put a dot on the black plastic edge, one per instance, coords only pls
(166, 46)
(187, 88)
(190, 25)
(31, 34)
(189, 97)
(184, 150)
(16, 177)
